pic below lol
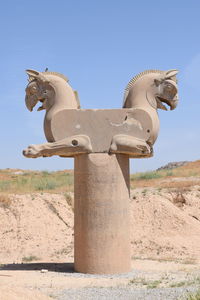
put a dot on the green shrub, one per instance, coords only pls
(42, 185)
(29, 258)
(147, 175)
(37, 181)
(193, 296)
(5, 186)
(45, 173)
(153, 284)
(169, 173)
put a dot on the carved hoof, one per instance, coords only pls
(32, 151)
(134, 147)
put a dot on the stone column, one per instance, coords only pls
(102, 214)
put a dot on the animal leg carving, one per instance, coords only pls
(134, 147)
(70, 146)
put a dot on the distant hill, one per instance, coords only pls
(172, 165)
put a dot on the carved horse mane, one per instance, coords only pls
(49, 73)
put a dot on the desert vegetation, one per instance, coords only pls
(19, 181)
(192, 296)
(181, 177)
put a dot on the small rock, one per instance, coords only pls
(18, 173)
(44, 271)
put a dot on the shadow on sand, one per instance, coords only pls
(53, 267)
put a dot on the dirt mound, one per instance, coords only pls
(166, 225)
(192, 165)
(39, 226)
(36, 227)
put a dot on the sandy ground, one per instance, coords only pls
(165, 224)
(38, 229)
(33, 281)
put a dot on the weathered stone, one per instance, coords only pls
(102, 141)
(102, 214)
(100, 125)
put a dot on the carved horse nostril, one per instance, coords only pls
(74, 142)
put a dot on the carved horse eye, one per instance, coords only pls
(169, 86)
(170, 89)
(33, 89)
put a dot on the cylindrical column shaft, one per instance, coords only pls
(102, 222)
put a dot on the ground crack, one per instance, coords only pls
(54, 210)
(195, 218)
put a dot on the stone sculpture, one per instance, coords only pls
(101, 141)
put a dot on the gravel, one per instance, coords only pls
(125, 293)
(135, 291)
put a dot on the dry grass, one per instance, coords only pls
(178, 199)
(5, 201)
(179, 184)
(191, 296)
(70, 200)
(19, 181)
(28, 181)
(28, 259)
(165, 178)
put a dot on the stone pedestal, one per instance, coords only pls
(102, 214)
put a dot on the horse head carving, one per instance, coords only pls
(159, 86)
(50, 88)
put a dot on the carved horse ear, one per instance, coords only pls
(170, 73)
(167, 75)
(35, 75)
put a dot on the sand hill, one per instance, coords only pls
(165, 222)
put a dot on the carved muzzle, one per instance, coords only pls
(30, 101)
(34, 91)
(33, 96)
(167, 93)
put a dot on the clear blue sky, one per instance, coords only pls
(100, 46)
